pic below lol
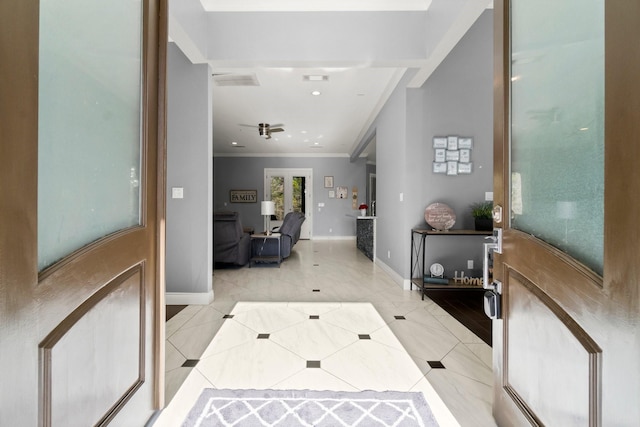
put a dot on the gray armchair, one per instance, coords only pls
(230, 243)
(290, 232)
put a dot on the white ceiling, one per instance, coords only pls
(326, 124)
(313, 5)
(333, 123)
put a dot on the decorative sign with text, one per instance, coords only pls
(243, 196)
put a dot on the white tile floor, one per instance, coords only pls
(278, 301)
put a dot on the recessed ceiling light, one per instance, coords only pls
(315, 77)
(315, 93)
(316, 143)
(583, 129)
(234, 143)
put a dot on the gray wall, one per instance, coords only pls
(189, 165)
(247, 173)
(457, 99)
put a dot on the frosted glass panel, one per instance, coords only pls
(557, 124)
(89, 123)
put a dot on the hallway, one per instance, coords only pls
(323, 277)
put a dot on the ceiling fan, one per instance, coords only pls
(265, 129)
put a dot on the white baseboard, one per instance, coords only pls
(333, 238)
(402, 282)
(188, 298)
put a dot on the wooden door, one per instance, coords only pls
(567, 348)
(80, 338)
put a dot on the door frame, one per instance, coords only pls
(307, 226)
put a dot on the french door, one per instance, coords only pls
(290, 189)
(567, 108)
(81, 166)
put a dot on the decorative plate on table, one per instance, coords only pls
(439, 216)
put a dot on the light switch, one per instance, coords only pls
(488, 196)
(177, 193)
(321, 205)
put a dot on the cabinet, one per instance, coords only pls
(366, 236)
(418, 256)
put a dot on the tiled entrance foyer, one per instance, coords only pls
(331, 272)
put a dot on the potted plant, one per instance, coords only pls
(482, 215)
(363, 209)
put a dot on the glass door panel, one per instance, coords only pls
(277, 196)
(89, 123)
(557, 130)
(298, 192)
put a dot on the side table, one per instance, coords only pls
(261, 249)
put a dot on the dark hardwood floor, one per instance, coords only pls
(466, 305)
(172, 310)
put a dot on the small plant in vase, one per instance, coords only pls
(482, 213)
(363, 209)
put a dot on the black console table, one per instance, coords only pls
(418, 250)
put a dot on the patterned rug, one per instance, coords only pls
(253, 408)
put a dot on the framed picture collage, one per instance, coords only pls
(452, 155)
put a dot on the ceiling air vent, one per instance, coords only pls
(235, 80)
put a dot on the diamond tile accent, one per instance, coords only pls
(190, 363)
(314, 317)
(400, 317)
(313, 363)
(228, 316)
(263, 336)
(364, 336)
(316, 290)
(435, 364)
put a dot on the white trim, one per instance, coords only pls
(402, 282)
(314, 6)
(188, 298)
(333, 238)
(332, 155)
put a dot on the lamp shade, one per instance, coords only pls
(268, 207)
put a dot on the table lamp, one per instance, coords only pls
(267, 208)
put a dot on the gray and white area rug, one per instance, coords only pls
(251, 408)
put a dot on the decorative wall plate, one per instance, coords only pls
(439, 216)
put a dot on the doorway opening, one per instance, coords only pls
(290, 189)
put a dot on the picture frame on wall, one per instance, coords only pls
(328, 182)
(342, 192)
(465, 155)
(465, 168)
(465, 142)
(439, 142)
(440, 155)
(452, 143)
(332, 194)
(452, 168)
(440, 167)
(452, 155)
